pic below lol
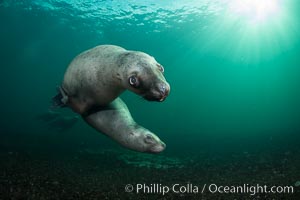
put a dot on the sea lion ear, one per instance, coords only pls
(131, 133)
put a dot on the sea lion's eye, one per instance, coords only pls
(161, 68)
(133, 81)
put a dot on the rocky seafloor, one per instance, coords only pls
(104, 174)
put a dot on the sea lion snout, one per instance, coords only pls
(164, 90)
(159, 92)
(158, 148)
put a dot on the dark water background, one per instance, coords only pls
(232, 92)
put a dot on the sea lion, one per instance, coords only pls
(116, 122)
(99, 75)
(94, 80)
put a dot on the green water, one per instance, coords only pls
(233, 70)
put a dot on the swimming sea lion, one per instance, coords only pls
(116, 121)
(99, 75)
(96, 77)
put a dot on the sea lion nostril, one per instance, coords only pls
(162, 89)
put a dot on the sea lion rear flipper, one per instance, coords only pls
(61, 99)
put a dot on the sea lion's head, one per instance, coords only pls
(145, 141)
(143, 75)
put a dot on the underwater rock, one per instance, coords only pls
(55, 183)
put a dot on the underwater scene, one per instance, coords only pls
(147, 99)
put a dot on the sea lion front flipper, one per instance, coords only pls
(61, 99)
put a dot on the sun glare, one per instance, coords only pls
(255, 11)
(256, 30)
